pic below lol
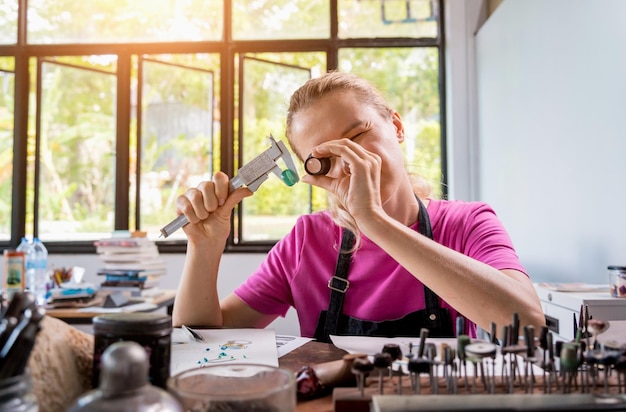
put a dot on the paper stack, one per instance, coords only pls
(130, 263)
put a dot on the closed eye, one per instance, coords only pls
(359, 130)
(361, 133)
(356, 136)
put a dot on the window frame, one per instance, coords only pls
(228, 49)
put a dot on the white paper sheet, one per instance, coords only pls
(136, 307)
(287, 343)
(255, 346)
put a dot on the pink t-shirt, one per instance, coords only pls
(296, 270)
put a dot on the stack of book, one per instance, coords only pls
(130, 263)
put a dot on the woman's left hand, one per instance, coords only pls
(354, 177)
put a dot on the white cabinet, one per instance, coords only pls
(562, 309)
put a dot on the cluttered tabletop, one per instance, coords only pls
(353, 373)
(534, 371)
(129, 280)
(84, 312)
(357, 373)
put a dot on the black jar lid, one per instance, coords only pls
(616, 268)
(136, 323)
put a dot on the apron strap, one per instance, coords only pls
(339, 283)
(425, 228)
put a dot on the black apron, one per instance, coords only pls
(333, 322)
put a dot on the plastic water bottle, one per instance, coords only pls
(26, 246)
(37, 271)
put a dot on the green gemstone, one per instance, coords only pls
(289, 177)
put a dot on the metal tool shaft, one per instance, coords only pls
(181, 220)
(174, 225)
(252, 175)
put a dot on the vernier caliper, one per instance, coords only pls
(252, 174)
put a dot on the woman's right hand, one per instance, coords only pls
(208, 208)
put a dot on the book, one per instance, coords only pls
(135, 266)
(67, 294)
(129, 257)
(135, 291)
(130, 242)
(125, 278)
(123, 283)
(131, 272)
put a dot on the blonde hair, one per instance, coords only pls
(366, 94)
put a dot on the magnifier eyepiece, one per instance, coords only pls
(317, 166)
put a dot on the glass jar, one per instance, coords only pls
(235, 387)
(16, 394)
(617, 281)
(124, 384)
(153, 331)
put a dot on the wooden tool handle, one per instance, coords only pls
(337, 373)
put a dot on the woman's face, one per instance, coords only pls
(339, 115)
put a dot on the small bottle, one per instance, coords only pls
(25, 247)
(617, 281)
(14, 273)
(124, 385)
(37, 271)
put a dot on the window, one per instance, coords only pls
(110, 110)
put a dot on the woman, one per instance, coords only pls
(407, 261)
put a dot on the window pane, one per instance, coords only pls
(269, 81)
(388, 18)
(7, 81)
(281, 19)
(71, 21)
(409, 78)
(178, 133)
(8, 22)
(77, 151)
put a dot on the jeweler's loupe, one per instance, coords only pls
(317, 166)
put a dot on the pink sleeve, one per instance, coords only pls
(488, 241)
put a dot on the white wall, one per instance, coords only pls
(551, 81)
(234, 269)
(462, 20)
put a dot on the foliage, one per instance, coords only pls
(69, 21)
(6, 149)
(77, 144)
